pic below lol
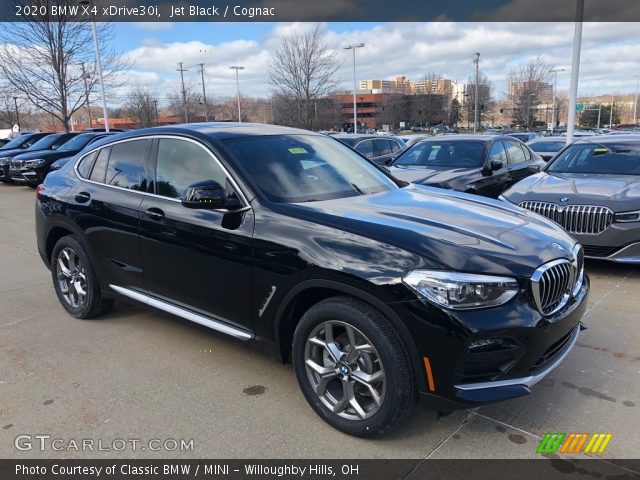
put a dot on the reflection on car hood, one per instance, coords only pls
(46, 154)
(432, 175)
(619, 192)
(494, 236)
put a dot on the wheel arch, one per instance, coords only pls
(308, 293)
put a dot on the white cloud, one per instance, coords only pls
(154, 26)
(609, 58)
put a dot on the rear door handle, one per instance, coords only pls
(83, 197)
(155, 214)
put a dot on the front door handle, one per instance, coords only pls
(83, 197)
(155, 214)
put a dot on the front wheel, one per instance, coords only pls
(353, 368)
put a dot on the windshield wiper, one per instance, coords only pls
(357, 189)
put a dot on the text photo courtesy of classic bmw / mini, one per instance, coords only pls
(348, 231)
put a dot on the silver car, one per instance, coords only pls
(592, 189)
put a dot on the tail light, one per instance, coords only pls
(40, 191)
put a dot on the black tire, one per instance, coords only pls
(399, 393)
(93, 303)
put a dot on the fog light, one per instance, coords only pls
(485, 342)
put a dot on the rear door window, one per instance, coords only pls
(128, 165)
(366, 148)
(515, 153)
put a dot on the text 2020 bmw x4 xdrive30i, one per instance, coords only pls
(374, 289)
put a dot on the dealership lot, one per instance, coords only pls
(142, 374)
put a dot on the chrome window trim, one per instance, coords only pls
(233, 182)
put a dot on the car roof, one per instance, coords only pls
(609, 139)
(360, 136)
(466, 137)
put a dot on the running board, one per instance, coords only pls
(183, 313)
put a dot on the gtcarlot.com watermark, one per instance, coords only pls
(44, 442)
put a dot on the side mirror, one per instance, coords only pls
(496, 165)
(208, 195)
(389, 160)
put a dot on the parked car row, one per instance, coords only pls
(29, 157)
(590, 188)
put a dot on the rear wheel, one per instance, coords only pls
(352, 367)
(74, 280)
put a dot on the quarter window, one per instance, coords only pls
(182, 163)
(127, 165)
(100, 167)
(84, 167)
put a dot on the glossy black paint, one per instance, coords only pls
(483, 180)
(227, 264)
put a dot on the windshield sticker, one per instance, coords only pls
(297, 150)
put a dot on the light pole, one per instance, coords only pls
(476, 99)
(575, 71)
(204, 94)
(555, 85)
(96, 45)
(15, 101)
(353, 47)
(613, 101)
(155, 106)
(86, 76)
(635, 103)
(236, 68)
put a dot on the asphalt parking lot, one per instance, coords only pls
(142, 374)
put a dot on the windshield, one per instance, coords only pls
(452, 153)
(46, 142)
(546, 146)
(611, 159)
(305, 168)
(21, 141)
(77, 143)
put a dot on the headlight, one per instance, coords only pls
(462, 291)
(626, 217)
(34, 163)
(4, 161)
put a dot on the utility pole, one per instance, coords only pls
(599, 114)
(476, 89)
(635, 103)
(85, 76)
(353, 47)
(575, 71)
(15, 101)
(555, 103)
(184, 94)
(155, 105)
(613, 101)
(236, 68)
(204, 94)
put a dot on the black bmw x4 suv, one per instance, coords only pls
(377, 291)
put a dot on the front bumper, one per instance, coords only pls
(533, 347)
(29, 176)
(4, 173)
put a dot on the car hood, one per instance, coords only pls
(450, 230)
(49, 155)
(619, 192)
(432, 175)
(12, 152)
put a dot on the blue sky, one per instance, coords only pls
(610, 55)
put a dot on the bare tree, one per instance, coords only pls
(485, 102)
(528, 89)
(41, 59)
(192, 102)
(302, 68)
(141, 106)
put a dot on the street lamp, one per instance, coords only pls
(353, 47)
(233, 67)
(96, 45)
(555, 84)
(575, 71)
(15, 101)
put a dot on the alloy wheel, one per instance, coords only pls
(345, 370)
(72, 279)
